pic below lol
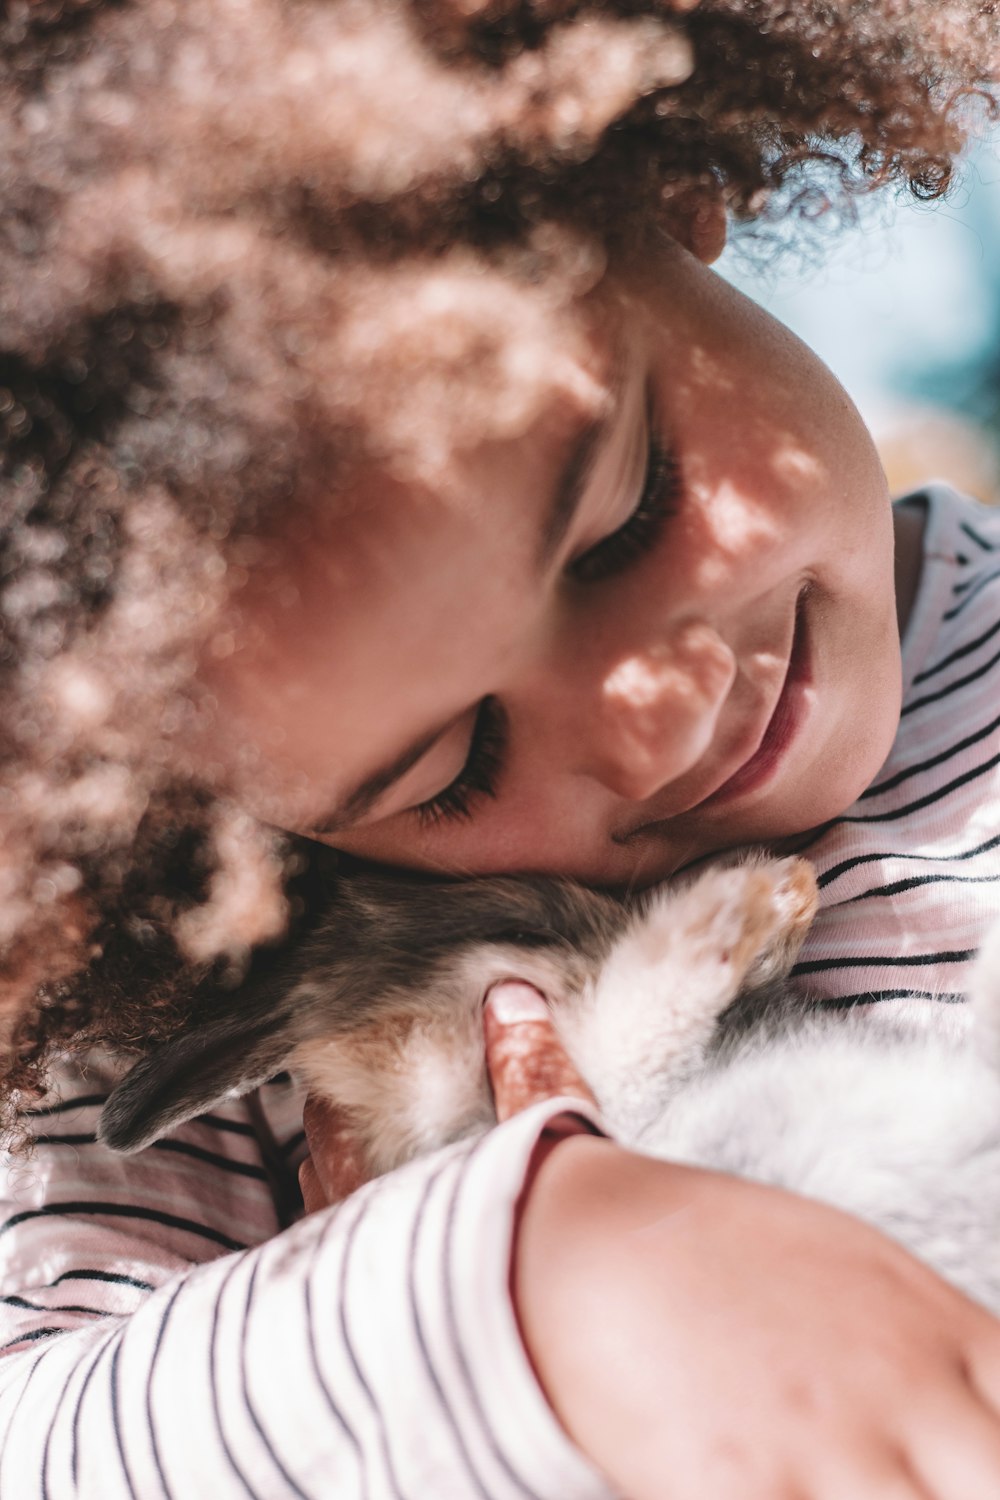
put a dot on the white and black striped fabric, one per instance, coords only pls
(910, 874)
(171, 1329)
(166, 1338)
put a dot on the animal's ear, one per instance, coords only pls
(185, 1077)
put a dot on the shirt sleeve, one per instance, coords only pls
(368, 1350)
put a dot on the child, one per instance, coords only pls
(385, 466)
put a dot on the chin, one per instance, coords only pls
(832, 788)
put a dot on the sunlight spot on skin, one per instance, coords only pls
(739, 522)
(795, 466)
(737, 526)
(639, 681)
(669, 697)
(650, 704)
(696, 663)
(767, 665)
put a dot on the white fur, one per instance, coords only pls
(677, 1015)
(894, 1117)
(422, 1083)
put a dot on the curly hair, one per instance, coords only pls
(244, 245)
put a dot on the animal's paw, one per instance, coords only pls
(793, 900)
(688, 953)
(748, 918)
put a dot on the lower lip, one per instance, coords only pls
(787, 719)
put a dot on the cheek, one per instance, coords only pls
(724, 552)
(769, 440)
(746, 505)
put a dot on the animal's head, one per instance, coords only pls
(388, 953)
(378, 1007)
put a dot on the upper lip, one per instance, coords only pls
(750, 743)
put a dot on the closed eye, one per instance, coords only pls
(478, 777)
(660, 495)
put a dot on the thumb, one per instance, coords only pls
(525, 1058)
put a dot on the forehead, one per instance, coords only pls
(486, 415)
(472, 415)
(433, 360)
(383, 607)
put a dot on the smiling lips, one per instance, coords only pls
(786, 719)
(789, 712)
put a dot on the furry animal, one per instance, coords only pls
(675, 1007)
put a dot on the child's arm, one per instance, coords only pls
(700, 1336)
(366, 1351)
(704, 1336)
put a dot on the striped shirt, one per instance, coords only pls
(909, 874)
(172, 1328)
(168, 1335)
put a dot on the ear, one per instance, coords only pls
(185, 1077)
(696, 218)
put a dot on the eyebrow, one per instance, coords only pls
(565, 502)
(576, 471)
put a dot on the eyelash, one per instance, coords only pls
(613, 554)
(478, 777)
(657, 504)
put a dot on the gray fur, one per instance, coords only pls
(676, 1009)
(382, 941)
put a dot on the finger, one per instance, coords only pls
(313, 1196)
(984, 1359)
(887, 1475)
(957, 1448)
(336, 1165)
(524, 1056)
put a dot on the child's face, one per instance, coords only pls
(708, 656)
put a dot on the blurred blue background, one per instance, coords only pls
(904, 306)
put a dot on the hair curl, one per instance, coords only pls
(217, 220)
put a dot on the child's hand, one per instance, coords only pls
(706, 1338)
(526, 1062)
(334, 1166)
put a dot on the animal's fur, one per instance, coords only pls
(675, 1009)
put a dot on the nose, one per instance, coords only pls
(656, 711)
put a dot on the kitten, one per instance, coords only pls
(676, 1009)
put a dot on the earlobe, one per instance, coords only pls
(696, 218)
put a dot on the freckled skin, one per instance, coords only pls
(628, 699)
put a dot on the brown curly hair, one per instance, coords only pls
(215, 216)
